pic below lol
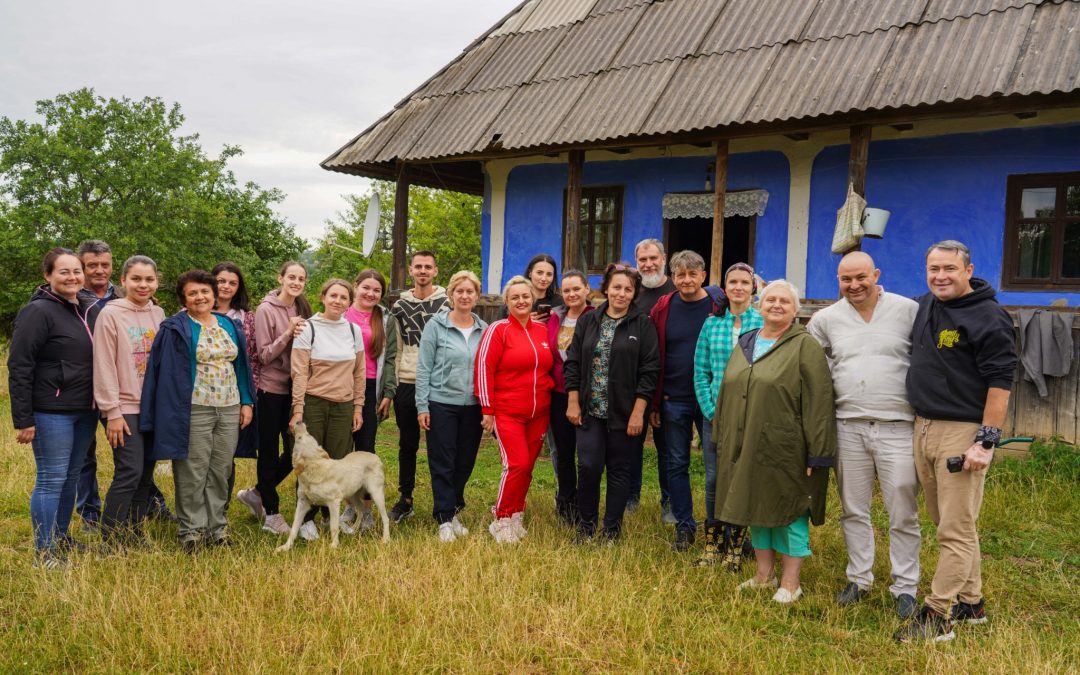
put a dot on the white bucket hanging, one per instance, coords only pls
(874, 221)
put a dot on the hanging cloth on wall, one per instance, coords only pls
(849, 230)
(1046, 346)
(744, 203)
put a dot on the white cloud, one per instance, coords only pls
(288, 82)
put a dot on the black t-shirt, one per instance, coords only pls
(648, 297)
(684, 323)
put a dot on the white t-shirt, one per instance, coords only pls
(869, 360)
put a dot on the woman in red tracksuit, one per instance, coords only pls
(513, 383)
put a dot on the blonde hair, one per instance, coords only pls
(514, 281)
(458, 279)
(780, 284)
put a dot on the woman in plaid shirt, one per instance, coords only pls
(717, 340)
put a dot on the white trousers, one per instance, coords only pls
(866, 448)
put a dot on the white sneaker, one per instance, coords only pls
(276, 524)
(446, 533)
(308, 531)
(503, 531)
(345, 527)
(251, 499)
(518, 522)
(459, 529)
(753, 583)
(367, 520)
(786, 597)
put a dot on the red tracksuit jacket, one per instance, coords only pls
(513, 369)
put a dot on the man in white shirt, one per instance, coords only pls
(867, 339)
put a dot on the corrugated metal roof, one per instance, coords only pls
(617, 68)
(552, 13)
(591, 45)
(667, 30)
(616, 103)
(1050, 59)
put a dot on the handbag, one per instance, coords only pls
(849, 229)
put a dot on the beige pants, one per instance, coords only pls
(953, 500)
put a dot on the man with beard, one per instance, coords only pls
(655, 284)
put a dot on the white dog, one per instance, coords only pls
(321, 481)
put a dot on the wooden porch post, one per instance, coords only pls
(401, 230)
(571, 254)
(860, 151)
(716, 275)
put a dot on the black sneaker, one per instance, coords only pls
(927, 625)
(402, 510)
(162, 514)
(189, 546)
(684, 539)
(583, 536)
(973, 614)
(853, 594)
(906, 606)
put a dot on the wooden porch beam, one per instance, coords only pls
(401, 230)
(720, 186)
(860, 151)
(571, 254)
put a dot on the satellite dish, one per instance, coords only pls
(371, 225)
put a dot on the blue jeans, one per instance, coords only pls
(637, 465)
(708, 453)
(60, 443)
(679, 419)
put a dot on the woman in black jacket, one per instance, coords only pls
(51, 384)
(611, 370)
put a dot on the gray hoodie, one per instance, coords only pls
(444, 368)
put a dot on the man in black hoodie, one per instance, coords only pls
(963, 357)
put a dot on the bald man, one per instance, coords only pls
(867, 339)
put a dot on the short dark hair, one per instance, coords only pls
(194, 277)
(625, 269)
(425, 253)
(95, 246)
(952, 246)
(576, 274)
(239, 301)
(49, 262)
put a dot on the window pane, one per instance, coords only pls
(1038, 202)
(1070, 260)
(605, 208)
(1036, 241)
(584, 209)
(1072, 200)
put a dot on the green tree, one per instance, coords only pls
(439, 220)
(121, 171)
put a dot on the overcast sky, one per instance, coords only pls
(289, 82)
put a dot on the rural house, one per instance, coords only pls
(734, 127)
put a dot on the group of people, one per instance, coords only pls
(875, 385)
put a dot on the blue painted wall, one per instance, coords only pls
(534, 201)
(945, 187)
(937, 188)
(485, 233)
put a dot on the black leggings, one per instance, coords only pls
(565, 435)
(364, 439)
(272, 467)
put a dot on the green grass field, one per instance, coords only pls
(415, 605)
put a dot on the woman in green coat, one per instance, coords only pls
(777, 438)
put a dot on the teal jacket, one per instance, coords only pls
(714, 346)
(444, 368)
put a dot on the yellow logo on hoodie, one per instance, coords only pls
(948, 338)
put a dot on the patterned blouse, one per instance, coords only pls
(215, 378)
(601, 364)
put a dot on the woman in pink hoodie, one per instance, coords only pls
(123, 335)
(281, 317)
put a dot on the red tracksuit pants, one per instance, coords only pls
(520, 439)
